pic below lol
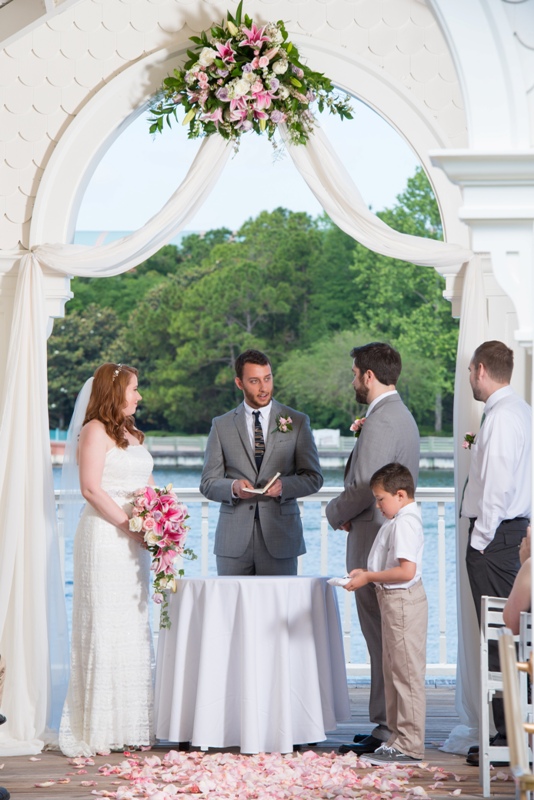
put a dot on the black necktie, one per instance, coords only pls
(259, 444)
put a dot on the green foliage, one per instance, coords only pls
(76, 347)
(296, 287)
(122, 292)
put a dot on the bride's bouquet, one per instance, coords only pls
(160, 517)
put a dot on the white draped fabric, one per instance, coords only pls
(467, 413)
(33, 630)
(333, 187)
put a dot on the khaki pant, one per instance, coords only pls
(2, 677)
(404, 627)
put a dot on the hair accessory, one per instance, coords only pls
(116, 372)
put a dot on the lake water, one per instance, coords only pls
(190, 478)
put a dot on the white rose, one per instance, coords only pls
(151, 538)
(280, 66)
(207, 57)
(241, 87)
(250, 77)
(136, 524)
(282, 92)
(274, 33)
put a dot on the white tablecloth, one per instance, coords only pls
(254, 662)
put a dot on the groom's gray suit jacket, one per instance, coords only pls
(230, 456)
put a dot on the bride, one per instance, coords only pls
(109, 701)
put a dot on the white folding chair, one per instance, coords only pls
(490, 684)
(513, 710)
(523, 654)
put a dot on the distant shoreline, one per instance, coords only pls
(183, 451)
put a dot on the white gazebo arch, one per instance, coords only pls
(397, 57)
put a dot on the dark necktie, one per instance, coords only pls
(259, 443)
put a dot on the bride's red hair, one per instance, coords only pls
(107, 401)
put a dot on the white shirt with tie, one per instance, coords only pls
(499, 485)
(265, 416)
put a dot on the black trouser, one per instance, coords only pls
(493, 573)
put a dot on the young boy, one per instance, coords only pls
(394, 566)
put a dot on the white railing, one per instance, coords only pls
(196, 445)
(431, 498)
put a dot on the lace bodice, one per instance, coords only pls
(126, 470)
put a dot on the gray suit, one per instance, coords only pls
(230, 456)
(388, 434)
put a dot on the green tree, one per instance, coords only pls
(78, 344)
(250, 291)
(403, 303)
(332, 301)
(122, 292)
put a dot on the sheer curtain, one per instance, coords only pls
(467, 412)
(33, 628)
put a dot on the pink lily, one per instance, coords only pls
(216, 117)
(254, 37)
(164, 562)
(225, 52)
(262, 100)
(238, 103)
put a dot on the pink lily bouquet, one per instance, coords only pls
(242, 77)
(160, 516)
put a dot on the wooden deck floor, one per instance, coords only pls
(19, 774)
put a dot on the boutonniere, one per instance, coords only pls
(469, 439)
(283, 424)
(357, 426)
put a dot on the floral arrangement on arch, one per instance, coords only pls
(242, 77)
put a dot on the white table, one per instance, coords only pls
(254, 662)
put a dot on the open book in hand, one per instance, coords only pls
(264, 489)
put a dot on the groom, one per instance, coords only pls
(259, 534)
(388, 433)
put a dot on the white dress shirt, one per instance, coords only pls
(265, 415)
(400, 537)
(499, 485)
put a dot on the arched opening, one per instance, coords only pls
(422, 138)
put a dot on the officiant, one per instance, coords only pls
(259, 533)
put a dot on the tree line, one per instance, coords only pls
(294, 286)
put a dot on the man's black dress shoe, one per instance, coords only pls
(4, 794)
(496, 741)
(368, 744)
(2, 720)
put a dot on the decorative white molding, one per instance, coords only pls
(47, 77)
(498, 206)
(486, 59)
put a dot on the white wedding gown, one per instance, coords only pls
(109, 702)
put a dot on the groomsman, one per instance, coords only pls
(259, 534)
(497, 496)
(387, 434)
